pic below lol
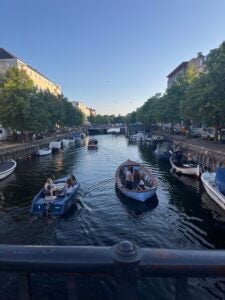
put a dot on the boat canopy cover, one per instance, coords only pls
(220, 179)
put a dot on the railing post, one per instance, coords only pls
(181, 288)
(71, 287)
(127, 257)
(24, 286)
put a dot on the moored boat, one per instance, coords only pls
(66, 142)
(44, 151)
(138, 137)
(55, 147)
(7, 168)
(57, 207)
(150, 182)
(93, 144)
(187, 168)
(164, 150)
(209, 183)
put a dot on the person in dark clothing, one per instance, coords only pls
(136, 178)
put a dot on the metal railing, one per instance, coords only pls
(124, 262)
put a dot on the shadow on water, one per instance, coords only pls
(135, 207)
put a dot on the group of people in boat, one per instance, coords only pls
(179, 158)
(51, 191)
(133, 179)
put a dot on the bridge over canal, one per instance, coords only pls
(106, 128)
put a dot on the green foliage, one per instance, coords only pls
(24, 108)
(193, 98)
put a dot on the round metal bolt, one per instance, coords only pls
(126, 252)
(125, 248)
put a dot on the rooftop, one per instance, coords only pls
(182, 65)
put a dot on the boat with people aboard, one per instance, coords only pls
(44, 151)
(164, 150)
(144, 188)
(183, 165)
(6, 168)
(214, 184)
(58, 204)
(92, 143)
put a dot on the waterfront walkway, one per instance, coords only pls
(209, 153)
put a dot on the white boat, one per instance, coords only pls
(140, 136)
(192, 169)
(55, 145)
(66, 142)
(209, 183)
(150, 181)
(44, 151)
(7, 168)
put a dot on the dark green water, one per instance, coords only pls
(182, 216)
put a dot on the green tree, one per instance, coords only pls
(15, 100)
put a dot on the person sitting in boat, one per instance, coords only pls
(136, 178)
(129, 178)
(49, 185)
(68, 188)
(178, 157)
(49, 198)
(73, 180)
(141, 186)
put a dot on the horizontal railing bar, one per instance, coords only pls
(94, 260)
(189, 263)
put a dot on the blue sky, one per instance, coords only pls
(111, 54)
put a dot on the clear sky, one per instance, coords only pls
(111, 54)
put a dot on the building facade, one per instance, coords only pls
(87, 111)
(195, 66)
(7, 61)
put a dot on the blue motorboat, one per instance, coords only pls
(57, 207)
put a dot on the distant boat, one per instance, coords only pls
(138, 137)
(59, 206)
(150, 181)
(92, 144)
(44, 151)
(66, 142)
(164, 151)
(209, 183)
(186, 168)
(55, 147)
(7, 168)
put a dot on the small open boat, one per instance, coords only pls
(59, 206)
(186, 168)
(209, 183)
(92, 144)
(150, 181)
(7, 168)
(44, 151)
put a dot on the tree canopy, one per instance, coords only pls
(24, 108)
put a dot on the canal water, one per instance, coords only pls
(180, 217)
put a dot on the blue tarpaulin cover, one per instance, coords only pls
(220, 179)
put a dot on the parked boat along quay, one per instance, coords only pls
(18, 151)
(181, 216)
(208, 153)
